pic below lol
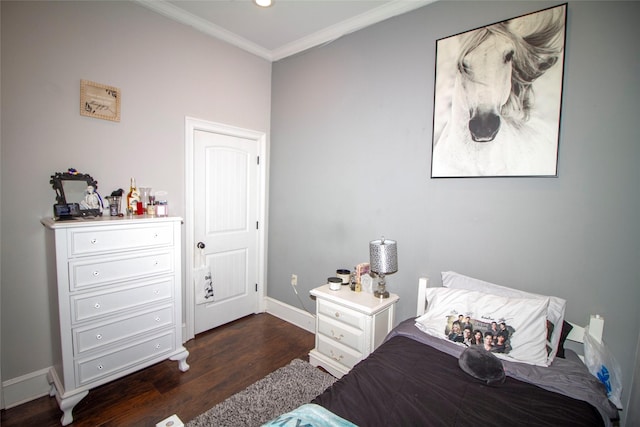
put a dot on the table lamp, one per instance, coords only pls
(383, 258)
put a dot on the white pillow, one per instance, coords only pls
(555, 312)
(525, 319)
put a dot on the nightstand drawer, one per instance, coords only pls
(91, 272)
(101, 335)
(341, 314)
(89, 370)
(340, 332)
(94, 305)
(114, 238)
(338, 352)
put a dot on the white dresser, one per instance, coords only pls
(116, 293)
(349, 326)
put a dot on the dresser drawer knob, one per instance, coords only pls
(96, 273)
(99, 337)
(155, 235)
(100, 367)
(336, 358)
(157, 346)
(336, 337)
(94, 241)
(96, 305)
(157, 318)
(337, 314)
(156, 291)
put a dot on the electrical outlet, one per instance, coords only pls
(294, 280)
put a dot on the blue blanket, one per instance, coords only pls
(309, 415)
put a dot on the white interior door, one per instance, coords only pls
(227, 212)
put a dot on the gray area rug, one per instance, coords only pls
(281, 391)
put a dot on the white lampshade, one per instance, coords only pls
(383, 256)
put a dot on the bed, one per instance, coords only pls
(416, 377)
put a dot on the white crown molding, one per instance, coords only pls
(170, 11)
(329, 34)
(334, 32)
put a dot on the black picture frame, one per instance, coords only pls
(70, 188)
(498, 97)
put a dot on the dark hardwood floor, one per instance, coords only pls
(223, 362)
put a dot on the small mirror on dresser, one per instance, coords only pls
(76, 195)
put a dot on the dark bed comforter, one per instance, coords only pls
(407, 383)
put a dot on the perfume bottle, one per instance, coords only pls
(133, 197)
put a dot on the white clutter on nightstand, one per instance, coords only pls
(116, 291)
(349, 326)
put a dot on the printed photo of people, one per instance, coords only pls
(493, 335)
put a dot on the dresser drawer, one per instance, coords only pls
(96, 336)
(342, 354)
(341, 314)
(118, 238)
(93, 369)
(88, 306)
(340, 332)
(97, 271)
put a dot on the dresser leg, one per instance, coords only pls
(52, 390)
(182, 360)
(67, 405)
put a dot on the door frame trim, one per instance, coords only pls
(191, 126)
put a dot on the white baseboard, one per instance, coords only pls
(291, 314)
(32, 386)
(25, 388)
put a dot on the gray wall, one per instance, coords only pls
(165, 71)
(351, 150)
(351, 135)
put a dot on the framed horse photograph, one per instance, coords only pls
(498, 95)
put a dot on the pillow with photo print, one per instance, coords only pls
(525, 319)
(555, 311)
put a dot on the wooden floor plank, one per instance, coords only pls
(223, 362)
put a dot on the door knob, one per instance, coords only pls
(200, 245)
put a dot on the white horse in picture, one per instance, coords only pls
(486, 120)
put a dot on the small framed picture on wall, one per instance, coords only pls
(99, 101)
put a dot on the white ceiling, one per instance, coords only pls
(284, 29)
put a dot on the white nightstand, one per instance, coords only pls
(349, 326)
